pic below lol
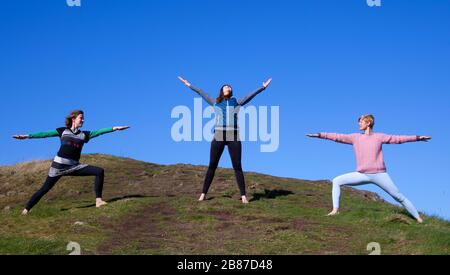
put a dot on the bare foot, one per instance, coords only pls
(99, 202)
(202, 197)
(244, 200)
(419, 219)
(334, 212)
(25, 212)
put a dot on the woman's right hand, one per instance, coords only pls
(21, 136)
(313, 135)
(184, 81)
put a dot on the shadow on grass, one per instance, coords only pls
(271, 194)
(109, 201)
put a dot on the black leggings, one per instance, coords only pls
(235, 150)
(98, 172)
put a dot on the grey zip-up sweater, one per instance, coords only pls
(227, 110)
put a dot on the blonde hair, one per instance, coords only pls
(368, 118)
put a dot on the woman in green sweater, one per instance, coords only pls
(66, 162)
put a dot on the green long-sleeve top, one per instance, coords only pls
(71, 142)
(54, 133)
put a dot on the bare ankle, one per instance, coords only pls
(202, 197)
(244, 199)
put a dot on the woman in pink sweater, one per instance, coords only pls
(369, 161)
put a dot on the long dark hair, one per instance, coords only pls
(222, 96)
(71, 116)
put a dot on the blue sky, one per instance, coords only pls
(330, 60)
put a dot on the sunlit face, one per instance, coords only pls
(78, 121)
(363, 124)
(226, 90)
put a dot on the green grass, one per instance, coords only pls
(153, 210)
(51, 226)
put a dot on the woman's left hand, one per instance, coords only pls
(120, 128)
(424, 138)
(265, 84)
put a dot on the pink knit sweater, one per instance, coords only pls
(368, 148)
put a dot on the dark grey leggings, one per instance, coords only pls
(235, 150)
(98, 172)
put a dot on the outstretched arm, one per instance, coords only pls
(205, 96)
(53, 133)
(394, 139)
(103, 131)
(249, 97)
(341, 138)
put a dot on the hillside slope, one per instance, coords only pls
(153, 210)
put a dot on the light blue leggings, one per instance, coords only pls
(381, 179)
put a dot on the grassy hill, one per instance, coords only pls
(153, 209)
